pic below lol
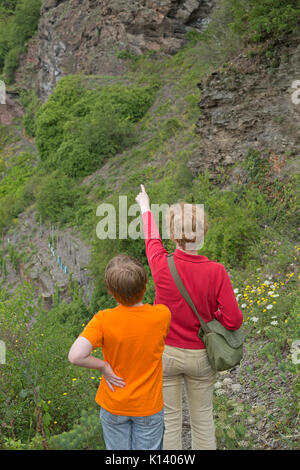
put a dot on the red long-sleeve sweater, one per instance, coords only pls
(206, 281)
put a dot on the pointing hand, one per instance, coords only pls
(143, 200)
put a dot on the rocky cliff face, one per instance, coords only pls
(84, 36)
(47, 267)
(248, 103)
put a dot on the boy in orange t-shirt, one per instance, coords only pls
(131, 336)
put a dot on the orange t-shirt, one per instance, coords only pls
(132, 342)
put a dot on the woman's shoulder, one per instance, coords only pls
(218, 269)
(214, 264)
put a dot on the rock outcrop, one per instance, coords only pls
(47, 268)
(85, 36)
(248, 103)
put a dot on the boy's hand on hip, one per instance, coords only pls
(111, 378)
(143, 200)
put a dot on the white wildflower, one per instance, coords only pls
(227, 381)
(243, 305)
(255, 319)
(267, 283)
(269, 307)
(243, 443)
(218, 384)
(274, 322)
(220, 392)
(236, 387)
(235, 290)
(271, 292)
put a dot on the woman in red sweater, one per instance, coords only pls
(185, 358)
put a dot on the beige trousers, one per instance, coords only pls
(191, 367)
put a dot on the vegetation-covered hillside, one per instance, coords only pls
(99, 137)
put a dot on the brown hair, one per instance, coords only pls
(126, 279)
(183, 220)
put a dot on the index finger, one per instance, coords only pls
(143, 188)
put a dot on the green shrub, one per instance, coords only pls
(229, 240)
(287, 197)
(260, 19)
(57, 197)
(16, 191)
(50, 121)
(236, 220)
(86, 435)
(53, 114)
(18, 21)
(27, 14)
(256, 165)
(77, 128)
(15, 312)
(32, 104)
(11, 63)
(17, 174)
(87, 141)
(37, 372)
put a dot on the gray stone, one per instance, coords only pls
(83, 36)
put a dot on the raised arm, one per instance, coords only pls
(143, 200)
(154, 247)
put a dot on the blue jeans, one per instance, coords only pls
(132, 432)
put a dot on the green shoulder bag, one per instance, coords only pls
(224, 347)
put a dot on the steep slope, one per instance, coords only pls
(223, 130)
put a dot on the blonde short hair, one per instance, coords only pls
(187, 224)
(126, 279)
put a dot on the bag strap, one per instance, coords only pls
(184, 292)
